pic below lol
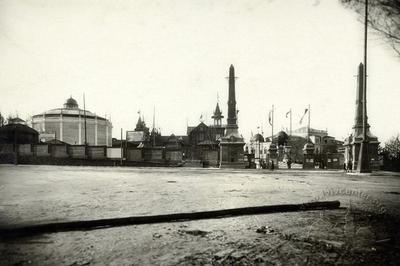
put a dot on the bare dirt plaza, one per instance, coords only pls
(363, 233)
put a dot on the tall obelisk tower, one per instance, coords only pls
(354, 142)
(232, 127)
(232, 99)
(358, 120)
(231, 144)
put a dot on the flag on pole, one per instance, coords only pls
(270, 117)
(288, 113)
(305, 112)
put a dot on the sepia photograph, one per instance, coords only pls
(199, 132)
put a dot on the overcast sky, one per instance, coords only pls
(174, 55)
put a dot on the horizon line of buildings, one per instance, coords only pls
(217, 142)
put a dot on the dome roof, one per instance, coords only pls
(282, 134)
(67, 111)
(71, 103)
(172, 138)
(70, 108)
(258, 137)
(282, 138)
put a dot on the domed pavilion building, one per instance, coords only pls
(67, 124)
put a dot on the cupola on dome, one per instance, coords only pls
(71, 103)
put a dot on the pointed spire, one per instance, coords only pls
(217, 112)
(140, 122)
(217, 116)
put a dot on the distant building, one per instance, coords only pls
(325, 149)
(296, 144)
(323, 143)
(67, 124)
(16, 120)
(327, 144)
(145, 146)
(18, 134)
(217, 144)
(303, 132)
(140, 135)
(257, 150)
(203, 140)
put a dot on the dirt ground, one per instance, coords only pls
(363, 233)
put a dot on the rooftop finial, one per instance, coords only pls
(71, 103)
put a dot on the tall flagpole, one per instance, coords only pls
(272, 120)
(365, 73)
(363, 156)
(290, 133)
(84, 117)
(122, 152)
(154, 126)
(308, 126)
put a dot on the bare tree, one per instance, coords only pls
(384, 17)
(392, 148)
(391, 154)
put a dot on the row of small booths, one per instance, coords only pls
(20, 143)
(56, 150)
(156, 154)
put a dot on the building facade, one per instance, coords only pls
(203, 140)
(257, 151)
(67, 124)
(312, 132)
